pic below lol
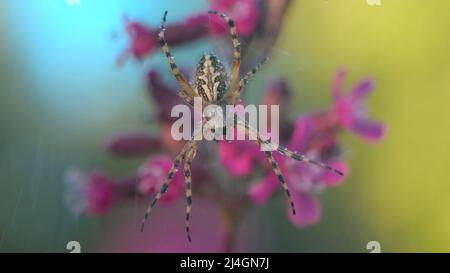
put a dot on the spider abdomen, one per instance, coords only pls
(211, 79)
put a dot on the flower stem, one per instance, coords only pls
(232, 215)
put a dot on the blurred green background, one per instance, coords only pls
(62, 97)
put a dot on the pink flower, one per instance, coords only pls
(308, 212)
(153, 174)
(239, 157)
(351, 110)
(315, 136)
(144, 39)
(93, 193)
(245, 13)
(305, 181)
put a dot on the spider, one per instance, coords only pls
(213, 84)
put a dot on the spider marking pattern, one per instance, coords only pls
(213, 84)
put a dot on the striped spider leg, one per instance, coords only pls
(233, 96)
(234, 93)
(188, 100)
(173, 170)
(236, 47)
(188, 184)
(187, 89)
(285, 151)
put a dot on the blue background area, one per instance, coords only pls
(62, 97)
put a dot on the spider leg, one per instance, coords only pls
(186, 98)
(188, 181)
(276, 169)
(299, 157)
(173, 66)
(236, 46)
(283, 150)
(234, 95)
(168, 180)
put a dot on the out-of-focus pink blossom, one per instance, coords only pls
(262, 191)
(351, 109)
(245, 14)
(101, 194)
(304, 180)
(308, 211)
(239, 157)
(144, 39)
(153, 174)
(93, 193)
(96, 192)
(316, 136)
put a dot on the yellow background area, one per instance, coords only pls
(398, 191)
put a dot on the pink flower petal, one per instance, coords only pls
(143, 38)
(361, 90)
(196, 20)
(369, 130)
(89, 193)
(308, 210)
(245, 13)
(101, 194)
(338, 83)
(242, 167)
(345, 112)
(238, 157)
(302, 133)
(262, 191)
(351, 111)
(333, 179)
(153, 174)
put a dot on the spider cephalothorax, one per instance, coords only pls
(215, 87)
